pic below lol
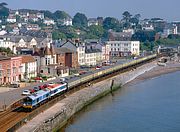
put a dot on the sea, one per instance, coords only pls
(151, 105)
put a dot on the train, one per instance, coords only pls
(41, 96)
(35, 99)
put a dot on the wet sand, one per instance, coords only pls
(157, 71)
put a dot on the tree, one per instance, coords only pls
(4, 11)
(111, 23)
(143, 36)
(80, 20)
(56, 35)
(47, 14)
(137, 16)
(96, 30)
(61, 15)
(126, 16)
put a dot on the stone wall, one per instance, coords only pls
(58, 115)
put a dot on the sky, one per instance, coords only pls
(166, 9)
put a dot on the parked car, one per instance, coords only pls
(98, 67)
(51, 83)
(36, 89)
(31, 91)
(26, 92)
(63, 79)
(15, 85)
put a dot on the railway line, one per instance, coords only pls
(12, 120)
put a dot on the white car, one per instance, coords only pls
(26, 92)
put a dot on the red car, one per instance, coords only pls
(31, 91)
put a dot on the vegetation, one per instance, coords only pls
(80, 20)
(6, 50)
(4, 11)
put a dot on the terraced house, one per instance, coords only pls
(10, 69)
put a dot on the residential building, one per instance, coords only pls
(48, 21)
(93, 57)
(67, 22)
(92, 21)
(44, 56)
(120, 36)
(29, 67)
(33, 18)
(10, 69)
(129, 31)
(148, 27)
(67, 57)
(123, 48)
(14, 41)
(55, 70)
(33, 27)
(170, 29)
(11, 19)
(40, 15)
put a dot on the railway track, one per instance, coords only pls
(12, 120)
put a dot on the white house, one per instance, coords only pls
(123, 48)
(44, 56)
(48, 21)
(11, 19)
(40, 15)
(92, 21)
(67, 22)
(170, 29)
(29, 67)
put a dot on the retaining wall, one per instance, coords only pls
(57, 115)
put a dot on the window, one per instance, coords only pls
(49, 70)
(46, 61)
(41, 71)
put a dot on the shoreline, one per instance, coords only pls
(156, 72)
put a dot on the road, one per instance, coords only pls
(9, 97)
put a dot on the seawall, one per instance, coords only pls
(57, 115)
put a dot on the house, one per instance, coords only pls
(55, 70)
(10, 69)
(67, 22)
(119, 36)
(148, 27)
(129, 31)
(76, 47)
(93, 21)
(170, 29)
(40, 15)
(14, 41)
(87, 55)
(29, 67)
(33, 27)
(48, 21)
(33, 18)
(123, 48)
(11, 19)
(67, 57)
(93, 57)
(44, 57)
